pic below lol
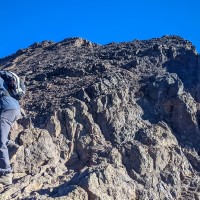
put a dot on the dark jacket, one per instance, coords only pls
(6, 101)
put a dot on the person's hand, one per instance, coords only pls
(23, 113)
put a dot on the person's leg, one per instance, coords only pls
(7, 118)
(12, 146)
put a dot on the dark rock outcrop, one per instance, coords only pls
(118, 121)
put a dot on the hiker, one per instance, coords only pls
(11, 90)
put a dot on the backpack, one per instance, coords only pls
(15, 85)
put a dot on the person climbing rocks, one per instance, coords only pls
(12, 88)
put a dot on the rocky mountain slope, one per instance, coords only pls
(112, 122)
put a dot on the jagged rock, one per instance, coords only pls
(39, 150)
(118, 121)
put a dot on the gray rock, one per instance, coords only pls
(117, 121)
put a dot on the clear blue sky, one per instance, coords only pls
(23, 22)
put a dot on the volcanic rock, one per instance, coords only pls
(107, 122)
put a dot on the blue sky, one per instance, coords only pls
(23, 22)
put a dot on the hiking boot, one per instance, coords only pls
(12, 148)
(6, 178)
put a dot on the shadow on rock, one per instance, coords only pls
(186, 67)
(165, 99)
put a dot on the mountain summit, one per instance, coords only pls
(107, 122)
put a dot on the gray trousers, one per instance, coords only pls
(7, 118)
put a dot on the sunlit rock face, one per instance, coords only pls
(107, 122)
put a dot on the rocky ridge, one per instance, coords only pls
(108, 122)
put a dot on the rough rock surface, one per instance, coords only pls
(112, 122)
